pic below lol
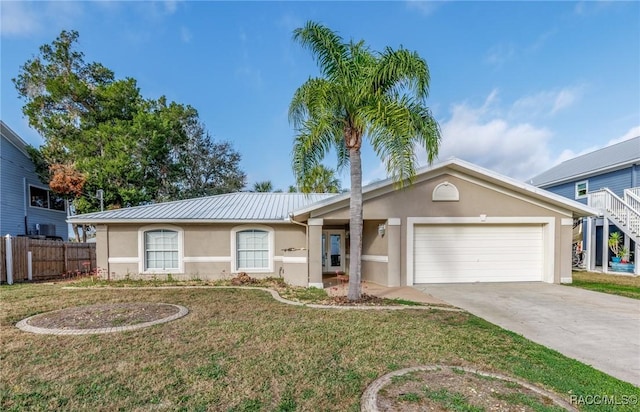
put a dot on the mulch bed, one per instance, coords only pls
(365, 300)
(106, 315)
(452, 389)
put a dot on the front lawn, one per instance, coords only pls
(622, 285)
(240, 350)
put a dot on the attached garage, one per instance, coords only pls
(478, 253)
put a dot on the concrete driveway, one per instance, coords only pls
(595, 328)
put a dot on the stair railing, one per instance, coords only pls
(612, 206)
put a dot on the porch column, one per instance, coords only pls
(605, 245)
(591, 244)
(393, 251)
(564, 275)
(315, 253)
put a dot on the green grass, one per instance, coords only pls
(628, 286)
(240, 350)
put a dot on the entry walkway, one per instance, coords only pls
(595, 328)
(335, 288)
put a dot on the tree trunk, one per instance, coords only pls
(355, 225)
(76, 233)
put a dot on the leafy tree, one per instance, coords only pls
(264, 186)
(361, 94)
(207, 167)
(319, 180)
(137, 150)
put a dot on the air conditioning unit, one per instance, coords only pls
(46, 229)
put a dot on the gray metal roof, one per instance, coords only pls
(241, 206)
(599, 161)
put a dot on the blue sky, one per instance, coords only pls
(516, 86)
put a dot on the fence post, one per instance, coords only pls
(29, 266)
(9, 260)
(65, 268)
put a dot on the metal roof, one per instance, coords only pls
(603, 160)
(232, 207)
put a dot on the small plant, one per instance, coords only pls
(624, 254)
(615, 243)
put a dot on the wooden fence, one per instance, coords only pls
(50, 259)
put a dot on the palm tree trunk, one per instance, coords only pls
(355, 225)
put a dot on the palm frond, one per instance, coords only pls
(400, 70)
(329, 50)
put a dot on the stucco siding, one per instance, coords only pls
(375, 272)
(476, 198)
(206, 251)
(372, 242)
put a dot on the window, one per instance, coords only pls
(161, 250)
(252, 250)
(45, 199)
(582, 188)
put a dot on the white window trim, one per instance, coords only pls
(586, 184)
(142, 256)
(234, 249)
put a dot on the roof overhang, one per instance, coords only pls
(84, 221)
(608, 169)
(577, 209)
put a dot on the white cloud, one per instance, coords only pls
(427, 8)
(546, 103)
(478, 136)
(499, 54)
(170, 6)
(633, 132)
(185, 35)
(31, 18)
(17, 19)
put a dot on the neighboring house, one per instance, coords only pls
(27, 206)
(608, 180)
(456, 223)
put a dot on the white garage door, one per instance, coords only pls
(478, 253)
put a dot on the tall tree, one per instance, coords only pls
(137, 150)
(319, 179)
(207, 167)
(361, 94)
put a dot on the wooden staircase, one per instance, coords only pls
(624, 213)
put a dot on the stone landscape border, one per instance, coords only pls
(25, 326)
(369, 399)
(277, 297)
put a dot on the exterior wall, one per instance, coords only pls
(374, 253)
(477, 198)
(616, 181)
(206, 251)
(18, 172)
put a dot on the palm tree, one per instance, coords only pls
(320, 180)
(380, 96)
(265, 186)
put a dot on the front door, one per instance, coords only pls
(332, 251)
